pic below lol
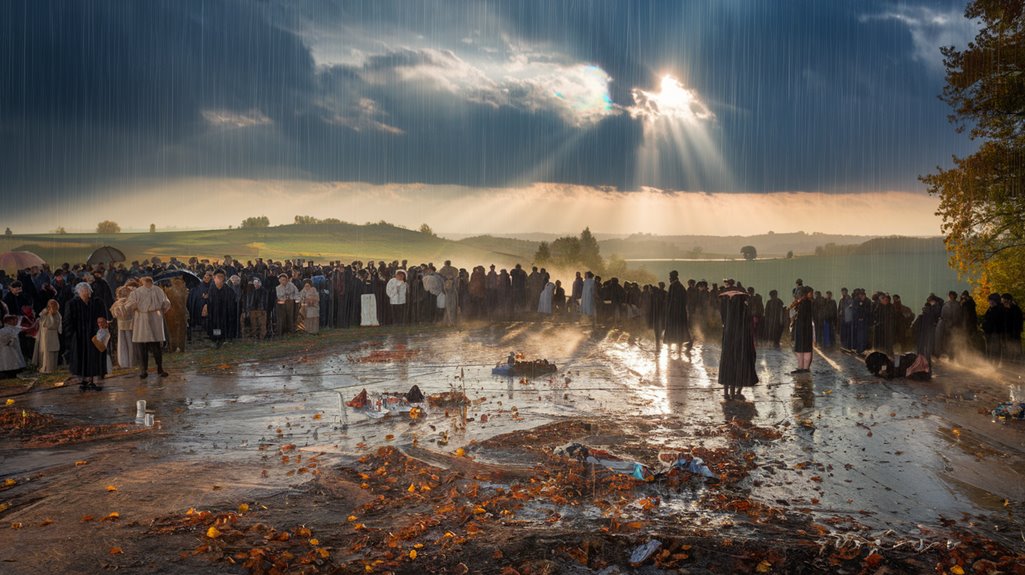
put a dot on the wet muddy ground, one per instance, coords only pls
(254, 466)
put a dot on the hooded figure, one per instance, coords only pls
(737, 364)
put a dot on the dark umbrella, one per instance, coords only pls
(106, 254)
(191, 279)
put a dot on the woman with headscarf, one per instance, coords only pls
(804, 329)
(126, 349)
(48, 341)
(737, 363)
(309, 307)
(86, 360)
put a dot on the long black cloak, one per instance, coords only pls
(677, 328)
(220, 309)
(84, 360)
(737, 364)
(804, 327)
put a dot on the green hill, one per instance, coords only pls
(320, 242)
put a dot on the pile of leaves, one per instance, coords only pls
(83, 433)
(19, 422)
(400, 354)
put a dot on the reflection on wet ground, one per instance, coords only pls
(894, 453)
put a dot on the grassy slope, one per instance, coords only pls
(319, 242)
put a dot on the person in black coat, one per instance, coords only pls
(221, 307)
(993, 322)
(85, 361)
(677, 321)
(657, 312)
(925, 327)
(737, 363)
(804, 329)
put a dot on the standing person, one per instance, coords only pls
(127, 355)
(256, 305)
(575, 291)
(220, 310)
(398, 292)
(196, 301)
(886, 325)
(1013, 325)
(588, 293)
(11, 359)
(177, 317)
(862, 309)
(905, 317)
(309, 307)
(518, 278)
(993, 324)
(544, 300)
(677, 324)
(754, 303)
(845, 318)
(48, 344)
(284, 309)
(925, 327)
(657, 313)
(559, 298)
(86, 361)
(775, 319)
(948, 329)
(148, 304)
(804, 329)
(829, 315)
(970, 319)
(737, 362)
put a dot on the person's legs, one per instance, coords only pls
(158, 356)
(143, 350)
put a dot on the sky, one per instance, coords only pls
(475, 116)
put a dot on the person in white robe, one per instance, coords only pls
(587, 296)
(309, 308)
(544, 303)
(11, 359)
(48, 342)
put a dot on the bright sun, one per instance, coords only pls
(672, 101)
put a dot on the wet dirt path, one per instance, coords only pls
(893, 454)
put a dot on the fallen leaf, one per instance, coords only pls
(314, 542)
(412, 488)
(81, 462)
(764, 567)
(243, 508)
(10, 483)
(460, 452)
(113, 516)
(213, 533)
(111, 488)
(957, 569)
(116, 551)
(16, 525)
(10, 402)
(412, 553)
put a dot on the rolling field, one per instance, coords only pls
(914, 275)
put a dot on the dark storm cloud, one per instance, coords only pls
(807, 95)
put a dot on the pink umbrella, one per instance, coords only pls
(15, 261)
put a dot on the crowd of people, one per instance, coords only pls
(91, 317)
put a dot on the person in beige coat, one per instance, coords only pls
(127, 352)
(149, 304)
(48, 341)
(309, 310)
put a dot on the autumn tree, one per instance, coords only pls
(108, 227)
(982, 197)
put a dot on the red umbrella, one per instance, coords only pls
(15, 261)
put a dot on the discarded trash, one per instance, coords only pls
(140, 411)
(149, 420)
(1009, 410)
(634, 469)
(515, 365)
(644, 552)
(386, 404)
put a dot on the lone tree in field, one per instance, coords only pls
(152, 228)
(790, 255)
(60, 231)
(8, 232)
(256, 222)
(749, 252)
(543, 255)
(108, 227)
(982, 198)
(427, 231)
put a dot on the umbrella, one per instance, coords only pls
(191, 279)
(106, 254)
(15, 261)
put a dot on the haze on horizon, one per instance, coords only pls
(719, 118)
